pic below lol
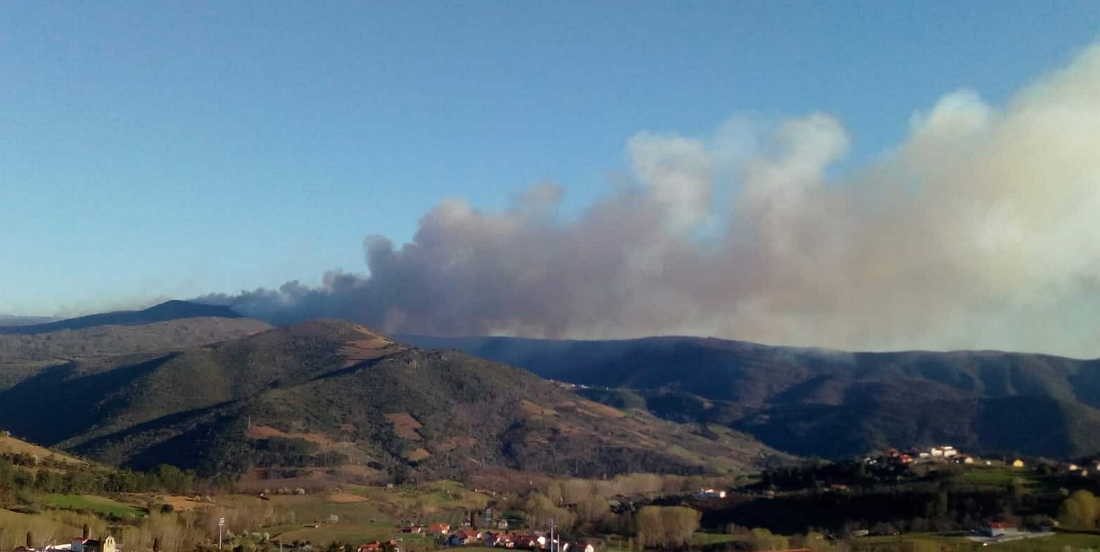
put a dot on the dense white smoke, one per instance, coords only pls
(981, 230)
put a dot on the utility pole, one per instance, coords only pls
(221, 525)
(551, 534)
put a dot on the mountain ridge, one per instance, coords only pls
(108, 340)
(11, 320)
(811, 401)
(329, 395)
(162, 312)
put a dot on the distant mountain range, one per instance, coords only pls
(169, 310)
(201, 387)
(229, 395)
(7, 320)
(815, 402)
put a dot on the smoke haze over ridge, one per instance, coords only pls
(980, 230)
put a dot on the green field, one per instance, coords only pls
(358, 514)
(344, 532)
(995, 476)
(1060, 542)
(1057, 543)
(90, 503)
(706, 539)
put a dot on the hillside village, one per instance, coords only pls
(519, 540)
(948, 454)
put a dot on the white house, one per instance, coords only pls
(710, 493)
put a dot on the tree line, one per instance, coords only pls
(22, 472)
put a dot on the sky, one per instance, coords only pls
(152, 149)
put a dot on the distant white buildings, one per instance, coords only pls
(946, 451)
(90, 545)
(999, 529)
(939, 453)
(710, 493)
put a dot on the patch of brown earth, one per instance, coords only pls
(183, 503)
(344, 498)
(452, 443)
(405, 426)
(370, 346)
(267, 432)
(531, 409)
(311, 479)
(598, 410)
(417, 455)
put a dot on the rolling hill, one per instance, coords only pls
(65, 345)
(829, 403)
(335, 397)
(10, 446)
(18, 320)
(24, 355)
(169, 310)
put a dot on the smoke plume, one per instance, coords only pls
(980, 230)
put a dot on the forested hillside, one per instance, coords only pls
(829, 403)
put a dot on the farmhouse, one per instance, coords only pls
(376, 546)
(710, 493)
(464, 536)
(999, 529)
(439, 528)
(91, 545)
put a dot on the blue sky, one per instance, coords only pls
(155, 149)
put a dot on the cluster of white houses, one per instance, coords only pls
(942, 453)
(78, 544)
(1082, 470)
(948, 453)
(517, 540)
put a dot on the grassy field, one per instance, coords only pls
(706, 539)
(440, 501)
(1060, 542)
(357, 514)
(11, 445)
(48, 528)
(995, 476)
(89, 503)
(348, 532)
(1057, 543)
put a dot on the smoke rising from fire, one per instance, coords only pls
(980, 230)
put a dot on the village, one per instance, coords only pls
(943, 453)
(498, 538)
(790, 487)
(949, 454)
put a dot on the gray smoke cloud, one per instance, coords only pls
(980, 230)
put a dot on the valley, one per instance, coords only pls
(328, 432)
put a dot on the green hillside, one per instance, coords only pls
(168, 310)
(65, 345)
(332, 399)
(830, 403)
